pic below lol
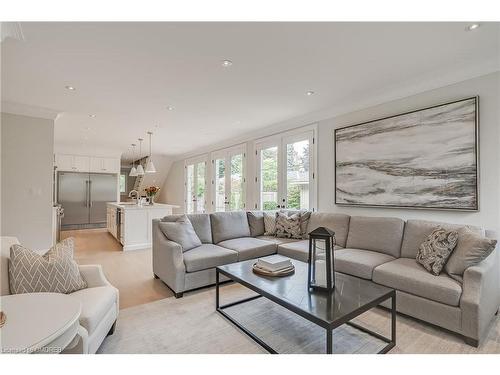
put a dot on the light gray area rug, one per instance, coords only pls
(191, 325)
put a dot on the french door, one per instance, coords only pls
(195, 185)
(285, 175)
(228, 179)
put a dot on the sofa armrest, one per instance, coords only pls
(480, 296)
(93, 275)
(168, 260)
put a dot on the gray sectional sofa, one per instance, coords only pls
(379, 249)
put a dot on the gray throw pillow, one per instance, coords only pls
(288, 226)
(53, 272)
(436, 249)
(182, 232)
(256, 223)
(471, 249)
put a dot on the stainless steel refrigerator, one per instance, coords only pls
(83, 196)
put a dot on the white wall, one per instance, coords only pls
(162, 165)
(172, 191)
(486, 87)
(27, 165)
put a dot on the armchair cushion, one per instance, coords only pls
(96, 303)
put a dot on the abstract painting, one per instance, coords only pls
(422, 159)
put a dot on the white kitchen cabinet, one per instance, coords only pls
(104, 165)
(136, 223)
(72, 163)
(93, 164)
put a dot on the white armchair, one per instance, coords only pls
(100, 303)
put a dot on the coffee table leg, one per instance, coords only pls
(216, 288)
(393, 318)
(329, 341)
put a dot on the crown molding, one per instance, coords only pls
(28, 110)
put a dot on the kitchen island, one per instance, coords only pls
(131, 224)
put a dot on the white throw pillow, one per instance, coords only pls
(270, 223)
(182, 232)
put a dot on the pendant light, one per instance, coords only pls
(150, 167)
(133, 171)
(140, 169)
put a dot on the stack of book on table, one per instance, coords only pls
(274, 266)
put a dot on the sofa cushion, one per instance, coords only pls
(382, 234)
(277, 240)
(181, 232)
(360, 263)
(408, 276)
(471, 249)
(249, 248)
(96, 302)
(256, 223)
(229, 225)
(339, 223)
(417, 231)
(298, 250)
(208, 256)
(200, 222)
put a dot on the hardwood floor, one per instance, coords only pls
(130, 271)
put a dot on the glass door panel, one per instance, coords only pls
(190, 196)
(236, 188)
(268, 178)
(297, 179)
(200, 187)
(220, 184)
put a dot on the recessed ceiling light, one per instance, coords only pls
(92, 116)
(474, 26)
(227, 63)
(70, 88)
(310, 93)
(170, 108)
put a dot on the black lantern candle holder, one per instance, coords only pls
(321, 268)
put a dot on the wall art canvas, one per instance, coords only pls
(422, 159)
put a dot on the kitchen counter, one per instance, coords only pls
(133, 206)
(131, 224)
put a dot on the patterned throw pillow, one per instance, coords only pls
(55, 271)
(436, 249)
(288, 226)
(270, 223)
(304, 220)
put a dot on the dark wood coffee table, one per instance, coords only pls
(352, 297)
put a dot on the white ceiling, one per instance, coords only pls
(127, 74)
